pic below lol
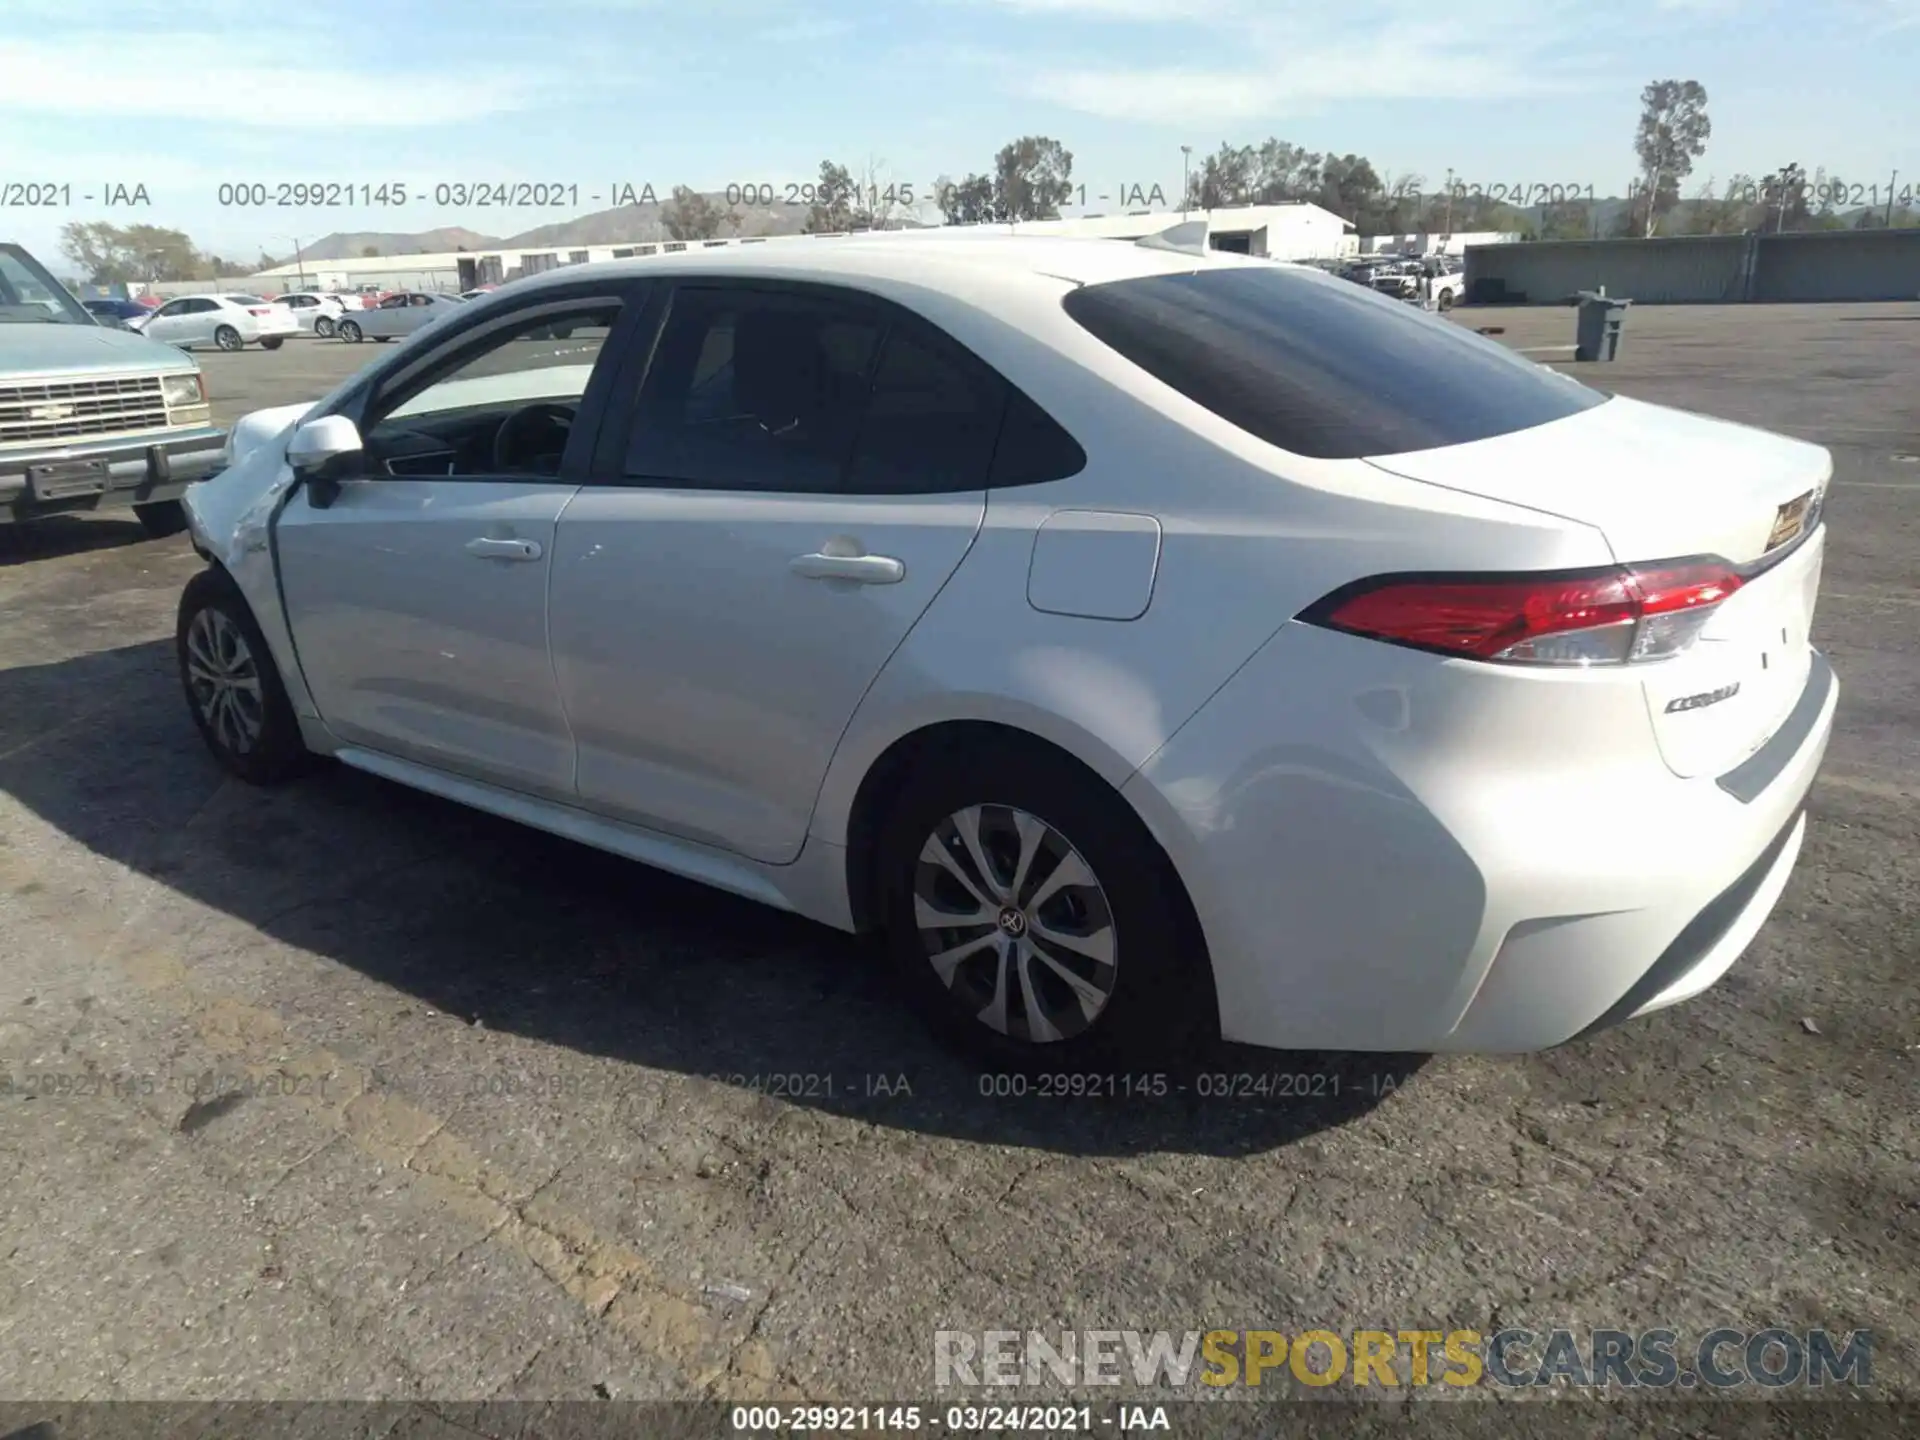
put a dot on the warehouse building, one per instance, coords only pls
(1280, 232)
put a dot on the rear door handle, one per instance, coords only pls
(861, 569)
(489, 548)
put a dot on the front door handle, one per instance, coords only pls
(489, 548)
(861, 569)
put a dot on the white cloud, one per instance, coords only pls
(1402, 64)
(205, 78)
(1148, 10)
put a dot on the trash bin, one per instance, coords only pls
(1598, 335)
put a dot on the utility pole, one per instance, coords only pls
(1890, 184)
(299, 263)
(1186, 174)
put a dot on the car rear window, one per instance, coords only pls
(1321, 366)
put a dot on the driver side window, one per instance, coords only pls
(505, 405)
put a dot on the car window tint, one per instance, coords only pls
(523, 365)
(1033, 447)
(1319, 366)
(933, 415)
(758, 390)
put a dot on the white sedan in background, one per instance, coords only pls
(399, 314)
(1149, 644)
(229, 322)
(315, 311)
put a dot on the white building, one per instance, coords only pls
(1434, 244)
(1280, 232)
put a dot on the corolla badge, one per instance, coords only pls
(1703, 699)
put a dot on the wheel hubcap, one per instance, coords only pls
(1015, 923)
(225, 681)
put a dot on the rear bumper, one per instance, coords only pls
(138, 472)
(1413, 855)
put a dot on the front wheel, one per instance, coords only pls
(323, 327)
(1032, 918)
(161, 518)
(233, 688)
(350, 332)
(228, 338)
(273, 342)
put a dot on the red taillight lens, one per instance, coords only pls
(1612, 616)
(260, 310)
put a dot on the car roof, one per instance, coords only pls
(967, 262)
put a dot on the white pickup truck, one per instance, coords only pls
(92, 415)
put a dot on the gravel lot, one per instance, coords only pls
(521, 1144)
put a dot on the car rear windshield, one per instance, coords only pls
(1321, 366)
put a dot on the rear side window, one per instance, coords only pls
(1320, 366)
(931, 421)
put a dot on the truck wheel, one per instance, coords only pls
(228, 338)
(161, 518)
(273, 342)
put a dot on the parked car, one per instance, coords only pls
(229, 322)
(1148, 644)
(348, 299)
(398, 314)
(91, 416)
(115, 313)
(314, 311)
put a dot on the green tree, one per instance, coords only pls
(1672, 134)
(1783, 198)
(689, 215)
(832, 211)
(1566, 220)
(1032, 179)
(114, 254)
(965, 202)
(1273, 172)
(370, 252)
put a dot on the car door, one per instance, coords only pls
(417, 588)
(386, 318)
(171, 322)
(755, 541)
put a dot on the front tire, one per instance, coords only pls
(1032, 919)
(228, 338)
(161, 518)
(233, 688)
(350, 332)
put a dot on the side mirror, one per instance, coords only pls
(317, 442)
(318, 452)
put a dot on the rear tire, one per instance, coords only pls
(1133, 986)
(323, 327)
(233, 688)
(273, 342)
(350, 332)
(228, 338)
(161, 518)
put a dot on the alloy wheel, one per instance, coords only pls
(225, 680)
(1015, 923)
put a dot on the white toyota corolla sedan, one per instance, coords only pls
(1143, 641)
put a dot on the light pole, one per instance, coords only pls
(299, 263)
(1186, 173)
(1890, 184)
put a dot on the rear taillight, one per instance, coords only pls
(260, 310)
(1611, 616)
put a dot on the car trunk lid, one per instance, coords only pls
(1664, 484)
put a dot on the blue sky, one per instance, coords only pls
(182, 95)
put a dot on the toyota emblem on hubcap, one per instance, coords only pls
(1013, 922)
